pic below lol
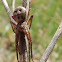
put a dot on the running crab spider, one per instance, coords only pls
(21, 30)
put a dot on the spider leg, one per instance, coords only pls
(29, 51)
(15, 18)
(12, 25)
(16, 40)
(29, 45)
(30, 21)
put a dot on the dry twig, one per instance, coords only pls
(8, 10)
(52, 44)
(13, 5)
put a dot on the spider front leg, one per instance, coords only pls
(12, 25)
(30, 21)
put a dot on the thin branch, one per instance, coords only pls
(52, 44)
(28, 6)
(13, 5)
(5, 4)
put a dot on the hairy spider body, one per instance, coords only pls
(21, 30)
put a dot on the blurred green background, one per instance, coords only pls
(47, 17)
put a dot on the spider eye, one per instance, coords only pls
(20, 10)
(15, 11)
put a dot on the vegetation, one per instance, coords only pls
(47, 17)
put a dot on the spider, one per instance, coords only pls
(21, 30)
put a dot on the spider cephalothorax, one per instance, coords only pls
(20, 14)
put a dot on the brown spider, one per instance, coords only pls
(21, 30)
